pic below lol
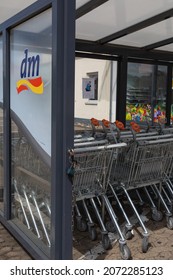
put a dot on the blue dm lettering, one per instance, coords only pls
(29, 66)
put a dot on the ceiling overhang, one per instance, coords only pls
(149, 37)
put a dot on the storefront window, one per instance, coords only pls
(160, 96)
(139, 89)
(1, 130)
(172, 101)
(146, 92)
(31, 127)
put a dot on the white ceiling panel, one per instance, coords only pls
(168, 48)
(152, 34)
(9, 8)
(113, 16)
(80, 3)
(116, 15)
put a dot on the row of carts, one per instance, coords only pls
(117, 168)
(113, 171)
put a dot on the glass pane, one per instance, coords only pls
(172, 101)
(80, 3)
(149, 35)
(160, 98)
(166, 48)
(139, 89)
(11, 8)
(31, 127)
(114, 16)
(1, 130)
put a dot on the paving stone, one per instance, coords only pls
(160, 245)
(5, 250)
(11, 254)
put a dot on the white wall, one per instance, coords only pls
(97, 109)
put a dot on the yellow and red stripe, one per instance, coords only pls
(35, 85)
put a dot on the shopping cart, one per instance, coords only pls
(164, 192)
(142, 164)
(116, 132)
(89, 171)
(90, 143)
(167, 189)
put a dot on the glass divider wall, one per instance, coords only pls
(30, 101)
(1, 132)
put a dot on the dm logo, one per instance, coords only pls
(29, 73)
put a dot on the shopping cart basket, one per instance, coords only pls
(91, 167)
(141, 164)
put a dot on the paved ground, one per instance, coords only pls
(160, 245)
(10, 249)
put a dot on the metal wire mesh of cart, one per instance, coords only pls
(168, 170)
(91, 176)
(142, 163)
(91, 169)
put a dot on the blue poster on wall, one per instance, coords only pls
(88, 88)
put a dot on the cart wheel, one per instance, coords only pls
(110, 227)
(128, 235)
(125, 252)
(157, 216)
(81, 225)
(92, 233)
(106, 242)
(170, 223)
(144, 244)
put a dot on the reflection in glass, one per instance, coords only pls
(146, 92)
(139, 88)
(172, 102)
(1, 132)
(1, 160)
(160, 96)
(31, 188)
(30, 105)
